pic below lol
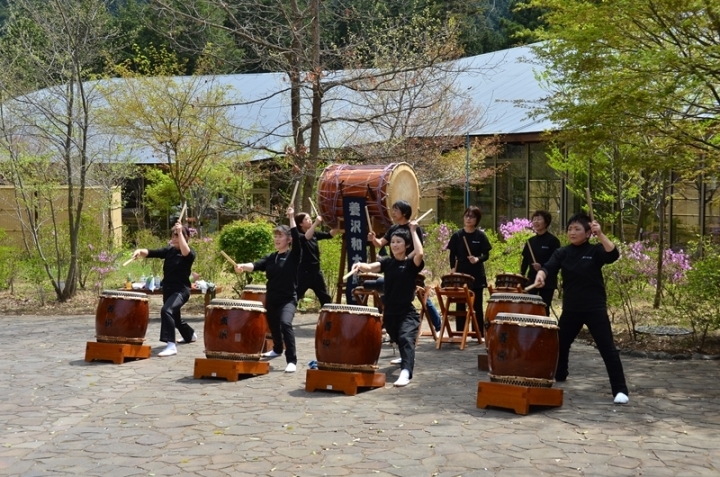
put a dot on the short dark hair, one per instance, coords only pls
(404, 234)
(475, 211)
(545, 215)
(299, 217)
(404, 207)
(581, 219)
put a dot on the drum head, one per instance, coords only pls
(352, 309)
(516, 297)
(256, 288)
(403, 185)
(240, 304)
(521, 318)
(123, 294)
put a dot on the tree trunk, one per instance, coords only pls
(661, 242)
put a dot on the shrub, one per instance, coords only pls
(506, 253)
(208, 263)
(8, 262)
(436, 258)
(246, 241)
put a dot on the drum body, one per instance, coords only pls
(509, 283)
(380, 185)
(254, 293)
(456, 280)
(523, 350)
(121, 317)
(234, 329)
(514, 303)
(348, 337)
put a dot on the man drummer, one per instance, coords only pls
(401, 212)
(540, 248)
(469, 248)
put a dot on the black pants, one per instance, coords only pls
(280, 317)
(403, 330)
(547, 296)
(315, 281)
(478, 307)
(598, 324)
(170, 317)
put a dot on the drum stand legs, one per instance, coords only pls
(517, 398)
(229, 369)
(345, 381)
(448, 296)
(115, 352)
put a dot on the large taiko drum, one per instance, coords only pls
(122, 317)
(254, 293)
(348, 337)
(456, 280)
(234, 329)
(523, 350)
(514, 303)
(380, 185)
(509, 283)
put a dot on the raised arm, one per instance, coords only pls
(418, 252)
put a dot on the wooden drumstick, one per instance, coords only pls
(227, 257)
(127, 262)
(531, 252)
(589, 203)
(312, 206)
(348, 275)
(292, 199)
(182, 212)
(423, 215)
(467, 247)
(454, 270)
(529, 287)
(367, 214)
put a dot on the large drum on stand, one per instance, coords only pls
(514, 303)
(234, 329)
(348, 338)
(121, 317)
(523, 350)
(381, 185)
(254, 293)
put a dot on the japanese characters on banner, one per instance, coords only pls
(356, 230)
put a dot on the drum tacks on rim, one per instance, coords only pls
(348, 338)
(121, 317)
(234, 329)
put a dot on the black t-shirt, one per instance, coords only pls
(393, 228)
(479, 246)
(176, 268)
(581, 267)
(281, 271)
(543, 246)
(310, 251)
(400, 278)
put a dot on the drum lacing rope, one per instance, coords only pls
(522, 381)
(118, 339)
(348, 367)
(232, 356)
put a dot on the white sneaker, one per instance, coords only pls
(404, 379)
(290, 368)
(271, 354)
(182, 340)
(621, 398)
(396, 361)
(170, 350)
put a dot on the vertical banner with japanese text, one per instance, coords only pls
(356, 230)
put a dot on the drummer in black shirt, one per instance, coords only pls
(400, 318)
(584, 298)
(543, 245)
(281, 269)
(310, 277)
(179, 258)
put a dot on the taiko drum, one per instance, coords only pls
(523, 350)
(456, 280)
(234, 329)
(381, 186)
(121, 317)
(254, 293)
(514, 303)
(509, 283)
(348, 337)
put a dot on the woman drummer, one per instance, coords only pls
(400, 318)
(179, 258)
(469, 248)
(310, 276)
(281, 269)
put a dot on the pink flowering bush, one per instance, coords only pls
(515, 226)
(435, 240)
(103, 266)
(507, 246)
